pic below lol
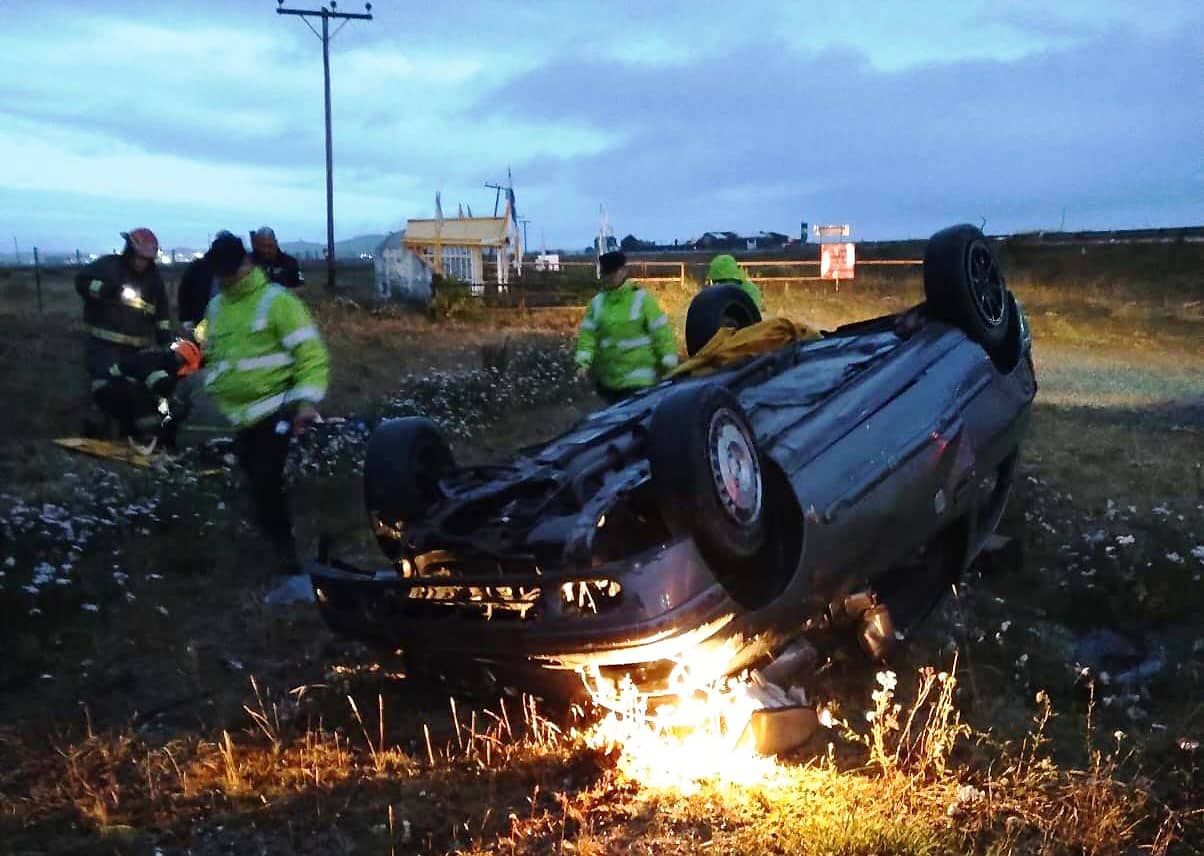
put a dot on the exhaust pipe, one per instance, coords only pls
(797, 659)
(875, 628)
(876, 632)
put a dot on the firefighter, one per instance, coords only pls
(280, 267)
(157, 372)
(625, 341)
(125, 310)
(267, 370)
(725, 271)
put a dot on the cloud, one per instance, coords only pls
(1100, 128)
(899, 117)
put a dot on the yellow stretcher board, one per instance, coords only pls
(111, 450)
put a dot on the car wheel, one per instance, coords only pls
(965, 286)
(715, 307)
(402, 466)
(707, 472)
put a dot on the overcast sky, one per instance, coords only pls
(680, 117)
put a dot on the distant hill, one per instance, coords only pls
(346, 249)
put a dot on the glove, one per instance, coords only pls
(305, 416)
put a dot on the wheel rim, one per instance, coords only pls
(735, 469)
(986, 283)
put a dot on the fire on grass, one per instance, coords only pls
(703, 738)
(703, 728)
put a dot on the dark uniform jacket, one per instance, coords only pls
(282, 270)
(121, 307)
(153, 368)
(196, 289)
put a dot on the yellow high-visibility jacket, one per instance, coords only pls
(262, 351)
(725, 269)
(625, 338)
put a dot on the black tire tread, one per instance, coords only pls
(402, 455)
(947, 289)
(710, 307)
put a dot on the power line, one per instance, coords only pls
(326, 15)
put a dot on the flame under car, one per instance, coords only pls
(731, 513)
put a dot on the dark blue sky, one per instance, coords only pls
(679, 117)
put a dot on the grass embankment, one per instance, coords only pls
(130, 720)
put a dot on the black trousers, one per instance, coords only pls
(124, 395)
(125, 401)
(115, 397)
(262, 453)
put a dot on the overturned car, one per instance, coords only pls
(848, 478)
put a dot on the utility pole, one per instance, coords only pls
(524, 221)
(37, 277)
(497, 196)
(326, 15)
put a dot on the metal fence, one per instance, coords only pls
(574, 281)
(661, 271)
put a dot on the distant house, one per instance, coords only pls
(716, 241)
(632, 244)
(400, 273)
(611, 245)
(731, 241)
(456, 247)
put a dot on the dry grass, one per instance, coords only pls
(509, 780)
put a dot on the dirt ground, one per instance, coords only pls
(149, 702)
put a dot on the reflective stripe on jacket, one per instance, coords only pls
(156, 369)
(262, 351)
(626, 338)
(124, 307)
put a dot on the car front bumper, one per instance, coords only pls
(669, 603)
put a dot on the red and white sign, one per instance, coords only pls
(837, 261)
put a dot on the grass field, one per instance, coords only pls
(149, 701)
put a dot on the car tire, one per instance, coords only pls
(715, 307)
(965, 286)
(403, 463)
(707, 473)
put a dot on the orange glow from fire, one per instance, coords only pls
(695, 734)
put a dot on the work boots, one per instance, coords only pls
(177, 410)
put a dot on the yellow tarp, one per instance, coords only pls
(107, 449)
(730, 345)
(111, 450)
